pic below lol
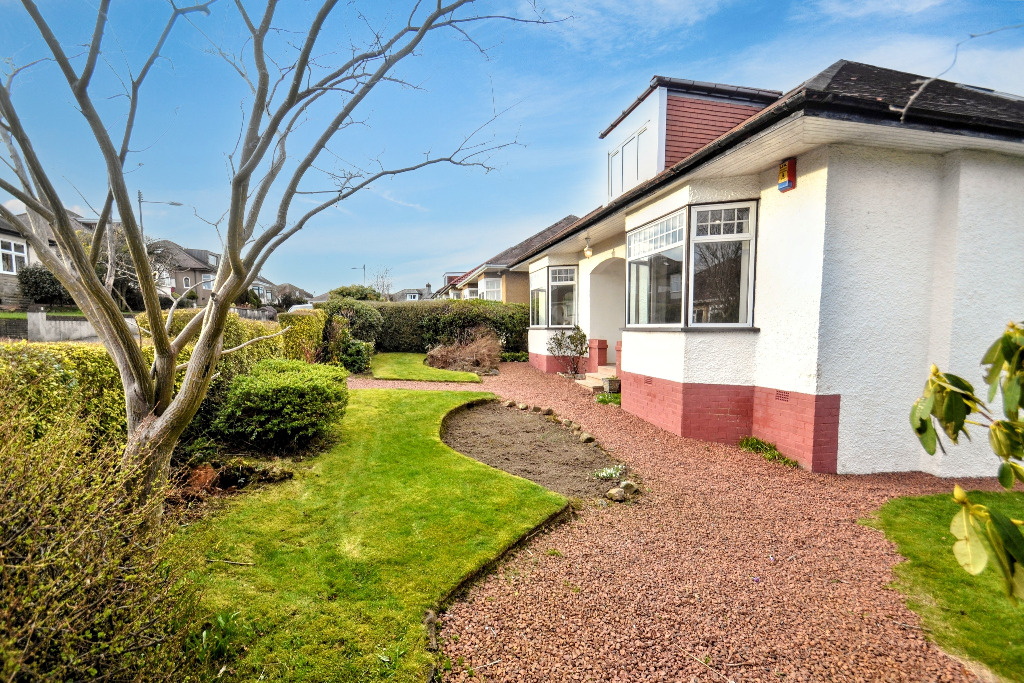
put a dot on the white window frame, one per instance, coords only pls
(14, 254)
(552, 274)
(542, 286)
(492, 289)
(207, 281)
(412, 297)
(667, 232)
(634, 162)
(186, 282)
(751, 237)
(471, 293)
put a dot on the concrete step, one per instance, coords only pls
(594, 385)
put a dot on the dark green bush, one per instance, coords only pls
(87, 591)
(341, 348)
(515, 357)
(417, 326)
(364, 321)
(282, 405)
(40, 285)
(360, 292)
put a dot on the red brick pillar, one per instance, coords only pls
(598, 355)
(618, 359)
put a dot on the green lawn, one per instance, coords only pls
(348, 555)
(22, 315)
(967, 615)
(411, 366)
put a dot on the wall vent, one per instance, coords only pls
(648, 380)
(782, 396)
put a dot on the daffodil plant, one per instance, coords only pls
(949, 401)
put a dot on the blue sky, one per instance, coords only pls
(556, 85)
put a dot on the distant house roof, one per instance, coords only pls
(420, 292)
(84, 223)
(515, 253)
(178, 256)
(288, 288)
(849, 91)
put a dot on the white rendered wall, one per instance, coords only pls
(537, 337)
(922, 264)
(602, 295)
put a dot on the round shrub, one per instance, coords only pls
(40, 285)
(282, 405)
(364, 321)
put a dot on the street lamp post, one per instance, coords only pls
(147, 201)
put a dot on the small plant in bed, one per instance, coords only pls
(611, 472)
(768, 451)
(607, 399)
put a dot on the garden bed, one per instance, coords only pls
(529, 445)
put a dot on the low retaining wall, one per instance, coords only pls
(13, 328)
(44, 328)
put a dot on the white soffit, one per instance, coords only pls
(800, 133)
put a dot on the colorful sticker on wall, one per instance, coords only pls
(787, 175)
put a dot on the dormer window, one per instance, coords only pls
(412, 297)
(630, 163)
(212, 259)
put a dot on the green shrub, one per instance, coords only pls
(360, 292)
(81, 378)
(607, 399)
(282, 405)
(40, 285)
(417, 326)
(340, 348)
(87, 594)
(515, 357)
(364, 321)
(304, 340)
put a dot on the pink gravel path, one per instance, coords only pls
(729, 568)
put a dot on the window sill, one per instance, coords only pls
(700, 328)
(551, 327)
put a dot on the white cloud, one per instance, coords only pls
(388, 196)
(855, 9)
(14, 206)
(604, 25)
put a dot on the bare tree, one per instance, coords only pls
(382, 281)
(288, 78)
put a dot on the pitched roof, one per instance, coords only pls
(289, 288)
(515, 253)
(181, 259)
(851, 91)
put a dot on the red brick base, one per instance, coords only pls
(546, 363)
(804, 427)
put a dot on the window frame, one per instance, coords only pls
(540, 324)
(575, 295)
(693, 240)
(684, 214)
(412, 296)
(15, 255)
(186, 282)
(620, 152)
(207, 281)
(488, 289)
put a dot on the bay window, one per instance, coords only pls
(721, 252)
(492, 289)
(708, 278)
(539, 298)
(655, 254)
(553, 297)
(13, 256)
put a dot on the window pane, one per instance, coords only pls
(615, 174)
(19, 263)
(629, 164)
(19, 248)
(5, 245)
(656, 289)
(563, 304)
(539, 307)
(720, 281)
(7, 263)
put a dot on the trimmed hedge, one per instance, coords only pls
(341, 348)
(282, 405)
(417, 326)
(305, 339)
(81, 378)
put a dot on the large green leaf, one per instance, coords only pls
(959, 383)
(1011, 397)
(1006, 475)
(953, 415)
(1012, 539)
(969, 549)
(923, 427)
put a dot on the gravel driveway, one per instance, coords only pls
(729, 568)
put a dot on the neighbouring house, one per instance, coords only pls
(494, 281)
(414, 294)
(799, 261)
(16, 253)
(180, 268)
(288, 289)
(447, 290)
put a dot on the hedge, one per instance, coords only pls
(417, 326)
(304, 340)
(364, 321)
(283, 405)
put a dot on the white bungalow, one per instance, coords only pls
(793, 272)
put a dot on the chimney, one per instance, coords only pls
(428, 289)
